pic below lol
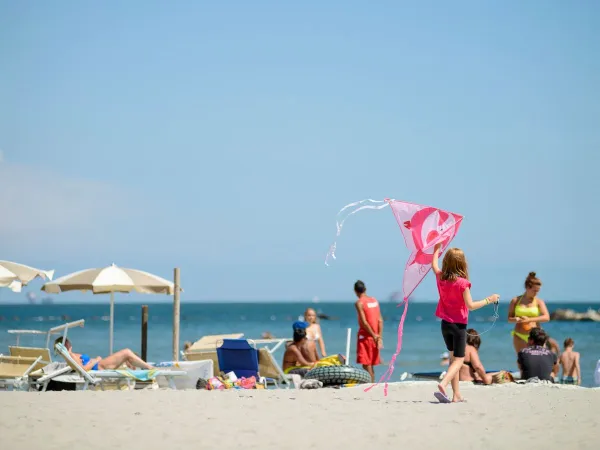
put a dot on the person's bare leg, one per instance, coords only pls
(456, 397)
(371, 372)
(452, 373)
(125, 356)
(519, 344)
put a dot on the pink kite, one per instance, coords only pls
(422, 227)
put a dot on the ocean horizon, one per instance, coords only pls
(122, 299)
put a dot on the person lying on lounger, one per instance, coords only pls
(114, 361)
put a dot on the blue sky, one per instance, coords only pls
(223, 138)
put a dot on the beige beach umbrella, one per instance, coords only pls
(14, 275)
(111, 279)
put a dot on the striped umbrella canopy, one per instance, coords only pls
(111, 279)
(14, 275)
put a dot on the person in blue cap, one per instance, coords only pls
(301, 355)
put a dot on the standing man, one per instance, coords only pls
(370, 329)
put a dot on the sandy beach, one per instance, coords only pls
(502, 416)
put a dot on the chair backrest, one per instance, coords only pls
(62, 350)
(203, 356)
(238, 356)
(266, 364)
(30, 352)
(14, 366)
(211, 342)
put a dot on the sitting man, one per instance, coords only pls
(536, 360)
(301, 355)
(114, 361)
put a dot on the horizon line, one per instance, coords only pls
(217, 302)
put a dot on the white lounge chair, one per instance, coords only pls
(60, 329)
(98, 377)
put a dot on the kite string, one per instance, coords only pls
(388, 374)
(496, 316)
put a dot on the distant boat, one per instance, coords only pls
(315, 299)
(395, 297)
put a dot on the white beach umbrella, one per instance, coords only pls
(111, 279)
(14, 275)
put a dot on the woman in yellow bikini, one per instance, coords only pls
(527, 312)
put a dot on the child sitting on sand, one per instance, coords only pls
(453, 308)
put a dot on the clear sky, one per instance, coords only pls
(223, 137)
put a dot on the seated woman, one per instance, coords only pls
(472, 369)
(113, 361)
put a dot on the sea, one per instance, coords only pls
(422, 341)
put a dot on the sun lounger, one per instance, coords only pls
(31, 352)
(14, 371)
(60, 376)
(97, 377)
(60, 329)
(268, 367)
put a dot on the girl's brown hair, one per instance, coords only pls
(454, 265)
(532, 281)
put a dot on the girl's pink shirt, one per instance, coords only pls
(451, 306)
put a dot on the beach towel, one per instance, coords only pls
(333, 360)
(138, 374)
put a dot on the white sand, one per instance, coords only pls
(523, 417)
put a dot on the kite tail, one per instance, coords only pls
(358, 206)
(388, 374)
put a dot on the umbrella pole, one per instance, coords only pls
(112, 318)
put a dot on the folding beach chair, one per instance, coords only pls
(14, 371)
(60, 329)
(269, 368)
(96, 377)
(31, 352)
(240, 357)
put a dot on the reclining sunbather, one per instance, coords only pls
(114, 361)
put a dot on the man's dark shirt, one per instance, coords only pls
(536, 361)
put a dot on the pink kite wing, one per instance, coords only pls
(422, 227)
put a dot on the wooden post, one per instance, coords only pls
(176, 317)
(145, 332)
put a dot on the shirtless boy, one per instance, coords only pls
(569, 361)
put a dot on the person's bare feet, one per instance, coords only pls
(458, 398)
(442, 389)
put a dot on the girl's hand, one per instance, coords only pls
(437, 247)
(494, 298)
